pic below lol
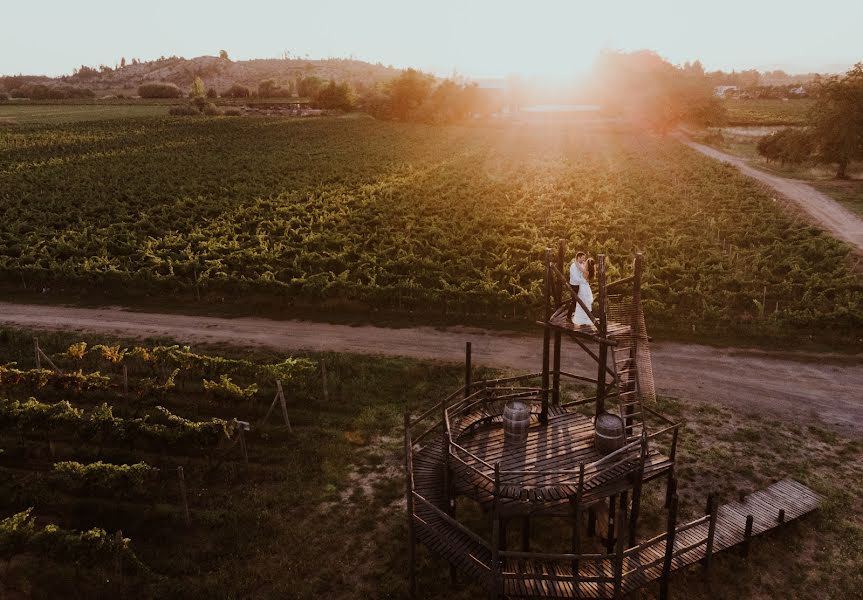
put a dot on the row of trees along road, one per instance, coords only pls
(834, 133)
(647, 90)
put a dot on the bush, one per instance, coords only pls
(159, 90)
(4, 97)
(183, 111)
(211, 110)
(237, 91)
(788, 146)
(211, 93)
(233, 112)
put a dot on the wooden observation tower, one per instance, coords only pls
(465, 449)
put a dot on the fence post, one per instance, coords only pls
(36, 348)
(546, 336)
(558, 298)
(468, 372)
(747, 534)
(182, 477)
(409, 497)
(712, 510)
(284, 406)
(669, 549)
(618, 554)
(324, 379)
(495, 537)
(603, 333)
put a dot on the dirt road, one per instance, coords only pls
(802, 391)
(831, 215)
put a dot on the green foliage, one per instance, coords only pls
(837, 119)
(187, 110)
(788, 146)
(335, 96)
(159, 90)
(237, 91)
(197, 90)
(104, 479)
(649, 90)
(91, 548)
(228, 390)
(379, 215)
(35, 379)
(102, 426)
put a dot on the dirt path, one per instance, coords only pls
(831, 215)
(798, 390)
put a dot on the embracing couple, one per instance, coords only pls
(581, 271)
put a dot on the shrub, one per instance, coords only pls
(183, 111)
(233, 112)
(4, 97)
(211, 110)
(159, 90)
(788, 146)
(237, 91)
(211, 93)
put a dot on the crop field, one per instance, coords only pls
(767, 112)
(365, 215)
(318, 511)
(29, 114)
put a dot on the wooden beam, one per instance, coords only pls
(546, 337)
(561, 251)
(603, 332)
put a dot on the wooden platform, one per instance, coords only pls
(560, 321)
(528, 578)
(563, 445)
(534, 577)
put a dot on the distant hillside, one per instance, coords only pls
(218, 73)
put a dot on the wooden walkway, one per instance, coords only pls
(551, 576)
(529, 578)
(563, 445)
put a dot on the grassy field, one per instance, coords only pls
(320, 512)
(366, 215)
(767, 112)
(743, 141)
(53, 114)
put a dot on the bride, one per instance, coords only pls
(580, 273)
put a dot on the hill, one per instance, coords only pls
(216, 72)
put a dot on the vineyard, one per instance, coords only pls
(112, 454)
(93, 504)
(360, 214)
(767, 113)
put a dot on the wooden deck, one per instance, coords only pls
(560, 321)
(525, 578)
(544, 577)
(566, 443)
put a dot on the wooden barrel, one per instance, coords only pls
(609, 433)
(516, 418)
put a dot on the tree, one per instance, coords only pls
(223, 54)
(788, 146)
(837, 120)
(211, 93)
(159, 90)
(122, 62)
(654, 93)
(335, 96)
(309, 87)
(237, 91)
(408, 92)
(197, 88)
(267, 88)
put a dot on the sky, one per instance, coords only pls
(557, 40)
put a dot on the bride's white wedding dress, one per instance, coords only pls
(576, 277)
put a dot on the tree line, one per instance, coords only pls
(834, 130)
